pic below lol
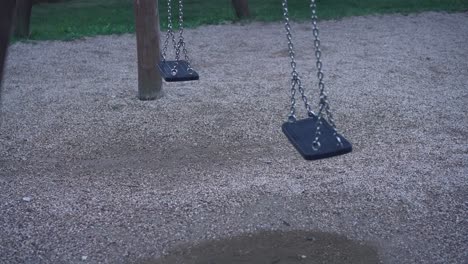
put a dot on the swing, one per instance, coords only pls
(313, 137)
(176, 70)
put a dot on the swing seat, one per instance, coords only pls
(301, 134)
(182, 74)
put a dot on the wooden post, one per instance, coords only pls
(22, 18)
(242, 8)
(147, 35)
(7, 7)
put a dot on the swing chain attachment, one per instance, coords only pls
(170, 31)
(181, 43)
(324, 103)
(296, 83)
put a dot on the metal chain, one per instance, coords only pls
(324, 103)
(296, 83)
(181, 42)
(170, 31)
(181, 29)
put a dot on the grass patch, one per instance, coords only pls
(72, 19)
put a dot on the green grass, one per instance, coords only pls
(72, 19)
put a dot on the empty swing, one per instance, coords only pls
(314, 137)
(176, 70)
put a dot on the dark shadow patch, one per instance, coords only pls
(274, 248)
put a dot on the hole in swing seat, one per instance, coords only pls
(301, 134)
(183, 71)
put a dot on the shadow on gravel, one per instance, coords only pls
(275, 248)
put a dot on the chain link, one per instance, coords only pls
(181, 29)
(296, 83)
(170, 31)
(324, 103)
(181, 43)
(170, 35)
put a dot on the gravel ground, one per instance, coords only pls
(90, 174)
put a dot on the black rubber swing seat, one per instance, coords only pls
(183, 74)
(301, 134)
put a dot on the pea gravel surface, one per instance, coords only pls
(91, 174)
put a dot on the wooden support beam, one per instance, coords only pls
(242, 8)
(148, 49)
(22, 18)
(7, 7)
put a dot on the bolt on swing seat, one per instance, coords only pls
(176, 70)
(313, 137)
(300, 136)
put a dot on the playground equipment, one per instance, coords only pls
(314, 137)
(176, 70)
